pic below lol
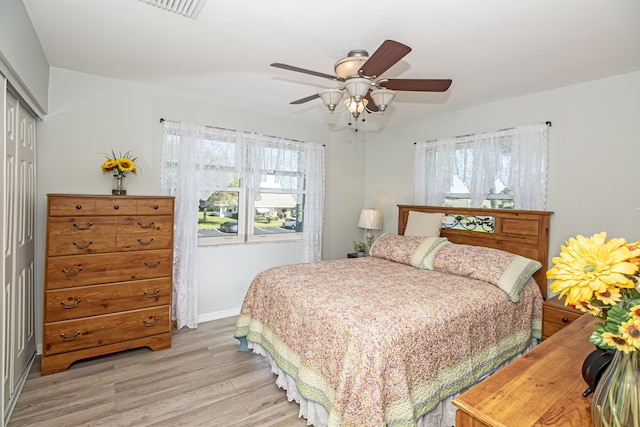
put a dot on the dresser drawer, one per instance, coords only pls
(95, 300)
(116, 206)
(148, 241)
(71, 335)
(68, 206)
(81, 225)
(154, 206)
(78, 245)
(145, 224)
(70, 271)
(554, 319)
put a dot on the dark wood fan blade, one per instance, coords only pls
(384, 58)
(307, 99)
(417, 85)
(371, 106)
(302, 70)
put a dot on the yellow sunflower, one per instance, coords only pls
(618, 342)
(120, 164)
(635, 253)
(109, 165)
(630, 331)
(609, 297)
(635, 312)
(589, 265)
(586, 307)
(125, 165)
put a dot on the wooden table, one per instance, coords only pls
(542, 388)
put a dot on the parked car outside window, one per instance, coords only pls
(229, 227)
(289, 223)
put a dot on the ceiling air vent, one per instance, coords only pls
(188, 8)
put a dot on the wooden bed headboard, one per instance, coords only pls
(524, 233)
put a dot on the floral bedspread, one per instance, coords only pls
(377, 342)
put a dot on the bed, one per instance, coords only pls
(389, 339)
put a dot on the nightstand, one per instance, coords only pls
(555, 316)
(354, 255)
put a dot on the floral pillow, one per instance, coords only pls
(509, 272)
(410, 250)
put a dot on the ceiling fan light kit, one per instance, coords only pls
(357, 87)
(382, 98)
(350, 66)
(359, 72)
(331, 98)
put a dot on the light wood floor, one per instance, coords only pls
(201, 381)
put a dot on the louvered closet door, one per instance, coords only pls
(19, 245)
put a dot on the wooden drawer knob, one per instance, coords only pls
(565, 320)
(78, 207)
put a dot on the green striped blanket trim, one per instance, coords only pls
(314, 387)
(426, 397)
(422, 258)
(536, 328)
(310, 383)
(516, 275)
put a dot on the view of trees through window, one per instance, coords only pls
(499, 196)
(274, 213)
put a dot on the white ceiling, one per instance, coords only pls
(492, 49)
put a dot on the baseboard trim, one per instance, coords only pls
(207, 317)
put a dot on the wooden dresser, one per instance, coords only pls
(542, 388)
(108, 276)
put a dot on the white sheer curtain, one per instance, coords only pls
(516, 156)
(299, 168)
(190, 179)
(314, 202)
(198, 160)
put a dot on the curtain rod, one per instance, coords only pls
(235, 130)
(548, 123)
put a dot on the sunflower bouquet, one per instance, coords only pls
(120, 164)
(600, 277)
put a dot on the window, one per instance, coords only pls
(504, 169)
(250, 187)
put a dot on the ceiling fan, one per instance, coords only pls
(360, 72)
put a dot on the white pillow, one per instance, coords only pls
(424, 224)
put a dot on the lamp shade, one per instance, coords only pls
(350, 66)
(357, 87)
(370, 219)
(331, 97)
(382, 98)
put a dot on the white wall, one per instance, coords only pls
(90, 115)
(594, 152)
(22, 59)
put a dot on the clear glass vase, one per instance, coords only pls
(616, 400)
(118, 187)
